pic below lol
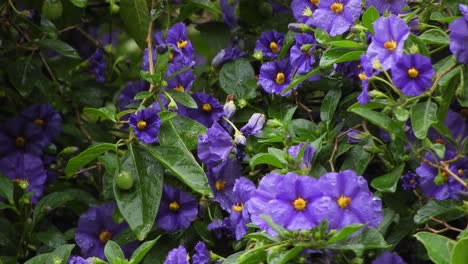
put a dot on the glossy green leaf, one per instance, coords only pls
(367, 239)
(113, 253)
(142, 250)
(103, 113)
(389, 181)
(25, 73)
(460, 252)
(143, 95)
(188, 130)
(369, 17)
(345, 44)
(438, 16)
(139, 205)
(344, 233)
(330, 103)
(265, 158)
(6, 188)
(183, 98)
(79, 3)
(206, 4)
(232, 259)
(445, 210)
(39, 259)
(377, 118)
(85, 157)
(423, 115)
(136, 18)
(356, 159)
(59, 256)
(437, 246)
(321, 36)
(59, 47)
(281, 255)
(238, 78)
(337, 55)
(435, 36)
(298, 79)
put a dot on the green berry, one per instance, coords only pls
(124, 180)
(52, 9)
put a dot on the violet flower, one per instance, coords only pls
(177, 256)
(221, 179)
(209, 109)
(44, 116)
(459, 36)
(177, 209)
(183, 81)
(77, 260)
(275, 76)
(269, 44)
(146, 124)
(391, 6)
(126, 97)
(239, 216)
(228, 14)
(302, 53)
(303, 10)
(409, 181)
(20, 135)
(215, 146)
(388, 258)
(227, 55)
(366, 73)
(305, 164)
(97, 65)
(254, 126)
(177, 38)
(336, 16)
(202, 255)
(412, 74)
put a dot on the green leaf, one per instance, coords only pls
(24, 73)
(79, 3)
(336, 55)
(298, 79)
(460, 252)
(189, 130)
(438, 16)
(6, 188)
(143, 95)
(344, 233)
(59, 47)
(389, 181)
(415, 45)
(85, 157)
(113, 253)
(58, 199)
(39, 259)
(265, 158)
(435, 36)
(136, 18)
(321, 36)
(377, 118)
(368, 239)
(345, 44)
(140, 204)
(238, 78)
(356, 159)
(232, 259)
(206, 4)
(103, 113)
(437, 246)
(423, 115)
(444, 209)
(59, 256)
(142, 250)
(280, 255)
(253, 256)
(183, 98)
(330, 103)
(369, 17)
(166, 115)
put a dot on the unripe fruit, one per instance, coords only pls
(124, 180)
(52, 9)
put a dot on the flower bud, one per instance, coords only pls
(229, 109)
(258, 55)
(114, 9)
(172, 106)
(239, 139)
(161, 48)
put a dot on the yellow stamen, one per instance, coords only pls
(362, 76)
(413, 73)
(390, 45)
(460, 172)
(39, 122)
(171, 56)
(182, 44)
(314, 2)
(238, 207)
(280, 78)
(440, 141)
(300, 204)
(207, 108)
(20, 141)
(174, 206)
(220, 185)
(274, 47)
(337, 8)
(179, 88)
(445, 175)
(343, 201)
(141, 124)
(105, 236)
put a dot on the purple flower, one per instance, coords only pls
(229, 17)
(202, 255)
(412, 74)
(209, 109)
(146, 124)
(97, 65)
(254, 126)
(221, 228)
(96, 227)
(388, 258)
(366, 73)
(459, 36)
(458, 126)
(305, 164)
(295, 203)
(46, 118)
(388, 40)
(177, 209)
(227, 55)
(409, 181)
(177, 38)
(336, 16)
(239, 216)
(20, 135)
(270, 43)
(302, 53)
(354, 136)
(177, 256)
(275, 76)
(392, 6)
(183, 81)
(126, 97)
(145, 60)
(348, 200)
(439, 184)
(25, 169)
(303, 10)
(77, 260)
(266, 191)
(215, 146)
(221, 179)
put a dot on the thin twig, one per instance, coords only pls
(82, 129)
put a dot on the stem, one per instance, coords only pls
(396, 90)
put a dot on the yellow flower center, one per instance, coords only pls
(39, 122)
(141, 124)
(179, 88)
(174, 206)
(20, 141)
(337, 7)
(207, 108)
(440, 141)
(460, 172)
(413, 73)
(314, 2)
(445, 175)
(105, 236)
(300, 204)
(280, 78)
(220, 185)
(343, 201)
(238, 207)
(362, 76)
(171, 56)
(182, 44)
(390, 45)
(274, 47)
